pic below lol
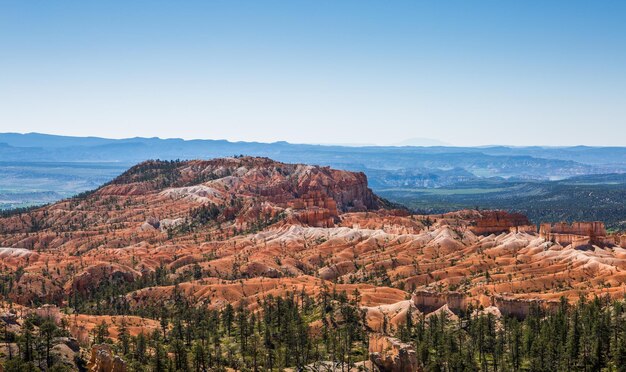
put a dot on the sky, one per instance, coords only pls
(465, 73)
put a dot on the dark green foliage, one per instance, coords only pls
(35, 344)
(588, 198)
(204, 214)
(17, 211)
(278, 336)
(588, 336)
(161, 173)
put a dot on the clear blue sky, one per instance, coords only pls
(464, 72)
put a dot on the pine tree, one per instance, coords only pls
(123, 337)
(47, 331)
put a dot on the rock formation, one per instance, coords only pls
(428, 301)
(521, 308)
(577, 234)
(103, 360)
(497, 222)
(389, 354)
(94, 275)
(481, 222)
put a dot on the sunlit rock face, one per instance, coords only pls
(576, 234)
(390, 354)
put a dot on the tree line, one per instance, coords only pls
(299, 330)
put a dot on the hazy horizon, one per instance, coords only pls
(436, 142)
(353, 72)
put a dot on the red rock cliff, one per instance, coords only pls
(576, 234)
(494, 222)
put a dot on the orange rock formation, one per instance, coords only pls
(103, 360)
(389, 354)
(236, 230)
(576, 234)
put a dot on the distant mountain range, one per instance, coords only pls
(534, 162)
(39, 168)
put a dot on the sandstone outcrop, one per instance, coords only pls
(427, 301)
(390, 317)
(497, 222)
(482, 222)
(103, 360)
(389, 354)
(443, 311)
(521, 308)
(99, 274)
(65, 355)
(81, 326)
(51, 312)
(576, 234)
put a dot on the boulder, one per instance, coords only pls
(170, 223)
(389, 354)
(64, 355)
(70, 342)
(103, 360)
(153, 221)
(146, 227)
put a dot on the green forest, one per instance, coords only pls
(588, 198)
(299, 330)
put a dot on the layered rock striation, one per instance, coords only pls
(576, 234)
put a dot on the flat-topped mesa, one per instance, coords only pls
(494, 222)
(591, 229)
(576, 234)
(240, 193)
(485, 222)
